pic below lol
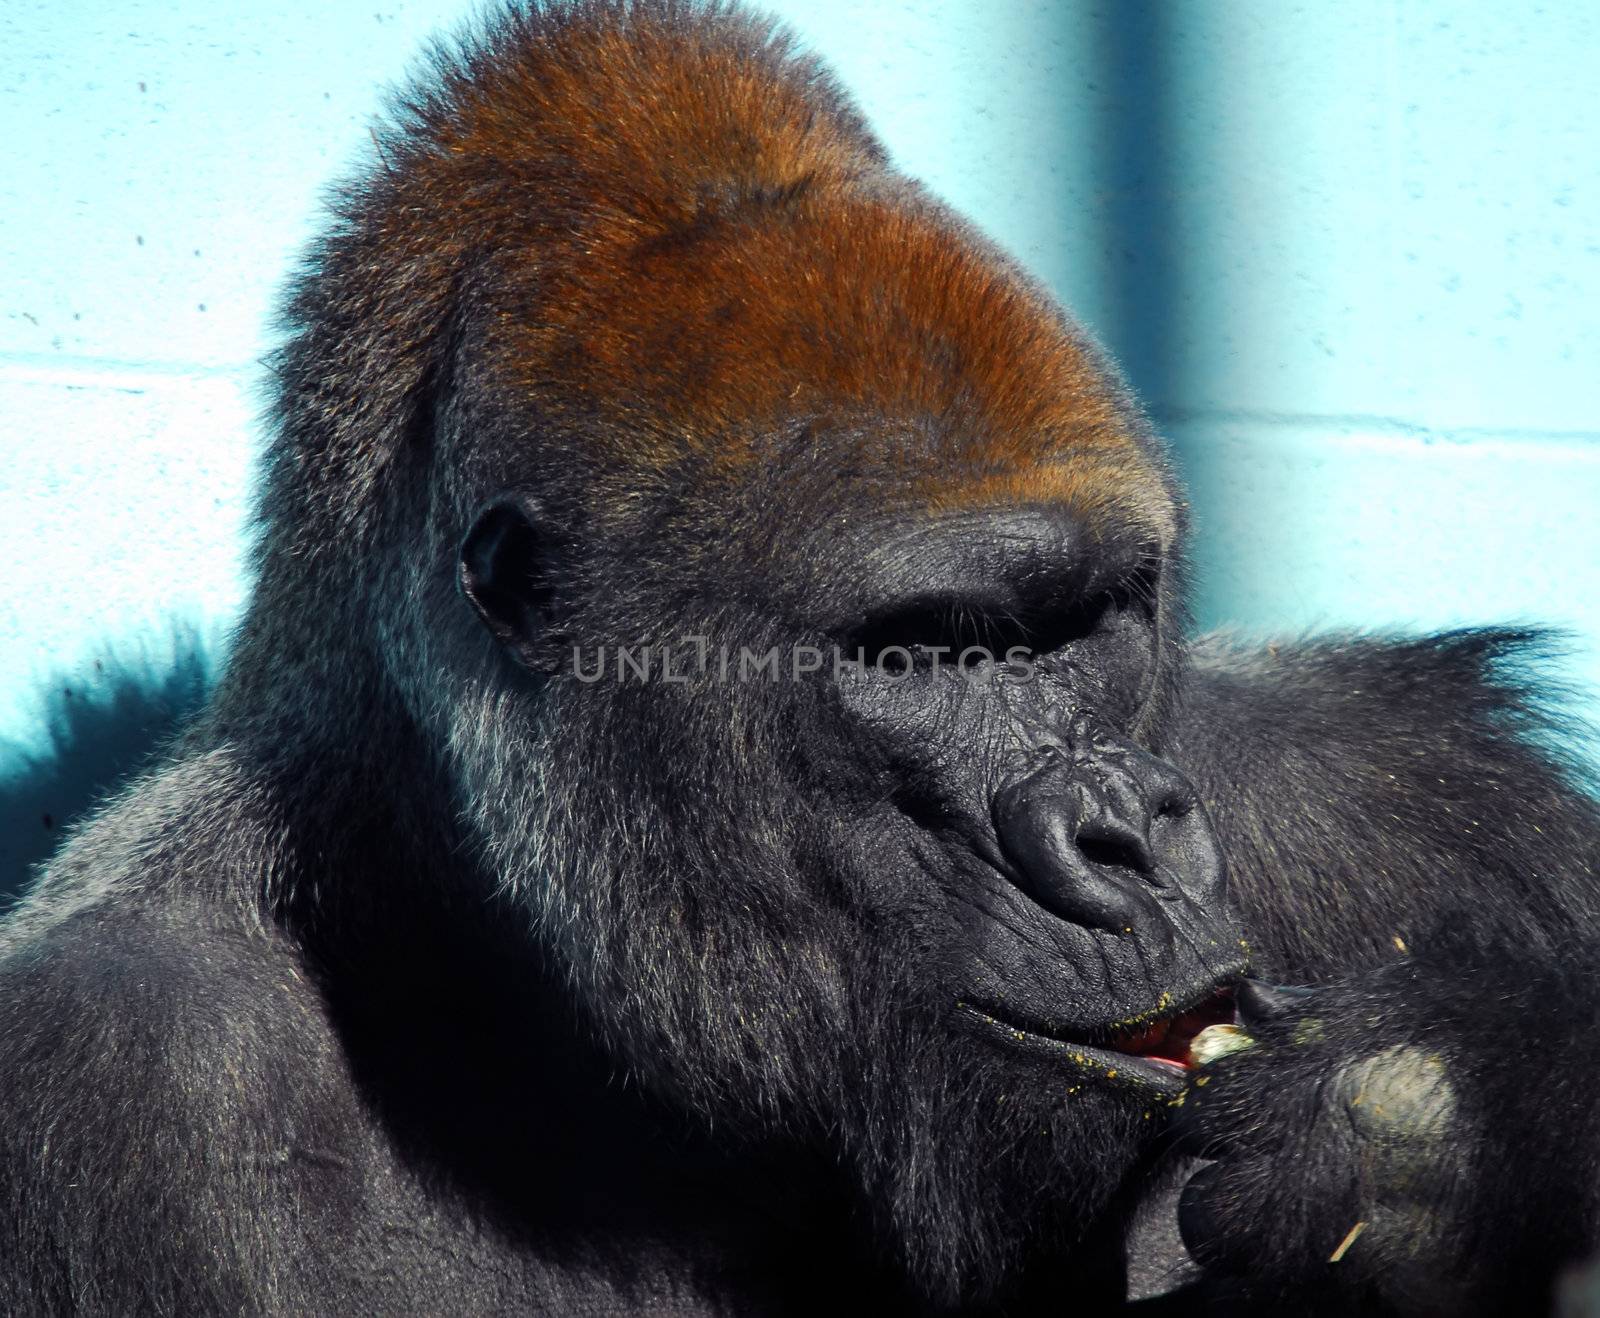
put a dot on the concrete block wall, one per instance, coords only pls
(1349, 254)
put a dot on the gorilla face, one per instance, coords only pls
(961, 754)
(916, 881)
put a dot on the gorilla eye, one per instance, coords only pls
(953, 625)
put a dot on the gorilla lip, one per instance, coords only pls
(1153, 1053)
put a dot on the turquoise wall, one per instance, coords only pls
(1349, 253)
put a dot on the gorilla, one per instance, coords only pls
(714, 805)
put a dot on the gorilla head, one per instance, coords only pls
(791, 596)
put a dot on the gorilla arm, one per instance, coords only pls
(1420, 1133)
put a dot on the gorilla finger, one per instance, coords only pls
(1260, 1003)
(1214, 1220)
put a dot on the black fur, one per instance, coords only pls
(424, 976)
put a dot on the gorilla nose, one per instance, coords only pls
(1096, 836)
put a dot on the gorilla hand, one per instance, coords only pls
(1350, 1150)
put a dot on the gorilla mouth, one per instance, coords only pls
(1166, 1040)
(1151, 1051)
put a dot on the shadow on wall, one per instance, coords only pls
(99, 729)
(1141, 262)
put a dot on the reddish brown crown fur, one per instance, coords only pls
(695, 237)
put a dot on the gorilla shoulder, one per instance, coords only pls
(173, 1100)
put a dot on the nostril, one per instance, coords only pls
(1115, 852)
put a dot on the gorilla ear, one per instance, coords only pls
(507, 573)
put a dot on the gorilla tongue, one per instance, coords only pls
(1168, 1040)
